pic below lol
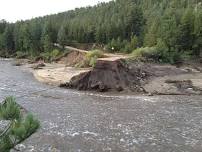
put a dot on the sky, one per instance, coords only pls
(13, 10)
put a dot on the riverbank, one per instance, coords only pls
(158, 79)
(80, 121)
(115, 72)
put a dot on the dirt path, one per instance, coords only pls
(108, 56)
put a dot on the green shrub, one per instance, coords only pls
(145, 53)
(50, 56)
(45, 56)
(21, 55)
(91, 58)
(18, 129)
(171, 55)
(130, 46)
(160, 53)
(93, 61)
(95, 53)
(116, 45)
(55, 53)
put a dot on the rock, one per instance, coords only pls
(63, 85)
(150, 94)
(102, 87)
(17, 63)
(119, 88)
(200, 60)
(39, 66)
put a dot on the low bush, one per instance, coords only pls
(50, 56)
(21, 55)
(145, 53)
(115, 45)
(91, 58)
(125, 46)
(160, 53)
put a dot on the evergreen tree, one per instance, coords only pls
(7, 39)
(18, 129)
(47, 37)
(197, 46)
(186, 31)
(62, 37)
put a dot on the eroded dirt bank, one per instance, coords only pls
(136, 77)
(115, 72)
(110, 76)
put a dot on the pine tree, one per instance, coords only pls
(18, 129)
(35, 32)
(197, 46)
(47, 37)
(152, 35)
(61, 37)
(186, 30)
(8, 40)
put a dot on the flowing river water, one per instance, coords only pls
(73, 121)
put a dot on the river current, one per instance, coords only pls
(73, 121)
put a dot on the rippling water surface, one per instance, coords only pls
(74, 121)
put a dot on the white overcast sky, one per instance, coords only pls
(13, 10)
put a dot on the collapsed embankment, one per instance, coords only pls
(110, 75)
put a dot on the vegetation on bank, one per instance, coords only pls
(91, 58)
(19, 127)
(160, 53)
(172, 27)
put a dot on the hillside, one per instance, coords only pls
(173, 27)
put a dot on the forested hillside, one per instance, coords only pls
(172, 27)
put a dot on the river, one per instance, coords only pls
(73, 121)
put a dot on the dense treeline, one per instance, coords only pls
(172, 26)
